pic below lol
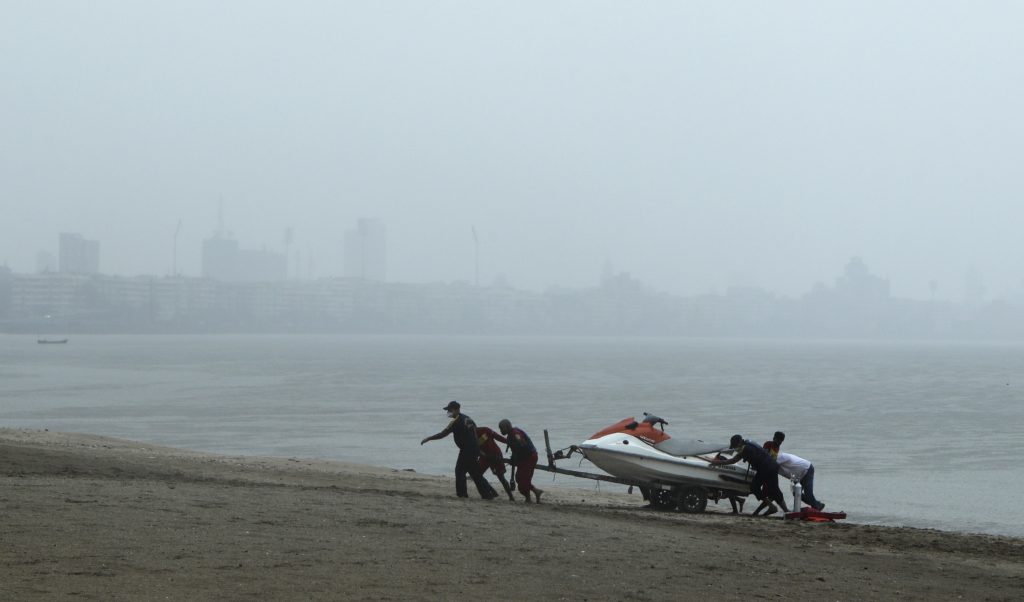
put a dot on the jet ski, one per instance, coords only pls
(677, 470)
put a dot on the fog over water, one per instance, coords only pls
(695, 145)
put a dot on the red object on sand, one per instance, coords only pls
(810, 514)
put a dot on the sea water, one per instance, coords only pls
(914, 434)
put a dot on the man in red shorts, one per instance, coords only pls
(524, 458)
(490, 457)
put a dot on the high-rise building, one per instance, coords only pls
(366, 250)
(224, 260)
(78, 255)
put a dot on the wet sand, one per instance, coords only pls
(88, 517)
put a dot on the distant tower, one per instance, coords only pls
(78, 255)
(366, 250)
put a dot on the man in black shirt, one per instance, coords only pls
(463, 430)
(766, 476)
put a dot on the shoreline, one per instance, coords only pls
(97, 517)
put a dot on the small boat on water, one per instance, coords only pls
(52, 341)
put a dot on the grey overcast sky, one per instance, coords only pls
(696, 145)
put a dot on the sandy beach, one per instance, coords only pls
(88, 517)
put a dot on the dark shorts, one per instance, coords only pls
(765, 485)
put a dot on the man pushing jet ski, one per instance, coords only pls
(766, 481)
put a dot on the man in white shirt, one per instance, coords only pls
(797, 469)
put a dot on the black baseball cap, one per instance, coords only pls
(452, 405)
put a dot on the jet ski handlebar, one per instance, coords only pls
(655, 420)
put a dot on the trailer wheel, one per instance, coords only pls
(662, 499)
(693, 499)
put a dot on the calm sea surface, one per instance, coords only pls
(916, 434)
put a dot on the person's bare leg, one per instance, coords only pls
(537, 492)
(505, 485)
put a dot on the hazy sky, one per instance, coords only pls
(696, 145)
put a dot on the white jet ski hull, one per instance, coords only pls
(629, 457)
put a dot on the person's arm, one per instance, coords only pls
(508, 447)
(733, 460)
(492, 452)
(516, 446)
(440, 435)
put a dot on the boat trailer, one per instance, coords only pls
(691, 498)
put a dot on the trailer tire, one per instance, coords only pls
(693, 499)
(662, 499)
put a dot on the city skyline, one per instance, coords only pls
(857, 305)
(972, 281)
(696, 147)
(233, 263)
